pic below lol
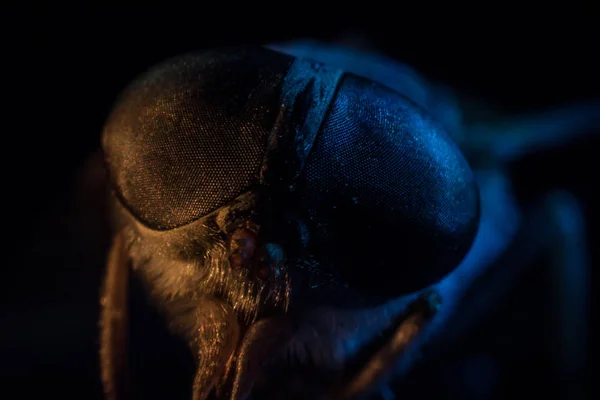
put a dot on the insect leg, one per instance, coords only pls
(114, 323)
(469, 295)
(262, 340)
(569, 295)
(512, 138)
(217, 333)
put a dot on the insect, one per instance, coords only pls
(312, 221)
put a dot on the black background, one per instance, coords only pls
(64, 67)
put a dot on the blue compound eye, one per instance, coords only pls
(391, 191)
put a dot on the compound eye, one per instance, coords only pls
(190, 135)
(393, 200)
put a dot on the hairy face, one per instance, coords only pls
(241, 300)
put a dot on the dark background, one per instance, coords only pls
(63, 69)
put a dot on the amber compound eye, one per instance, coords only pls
(242, 247)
